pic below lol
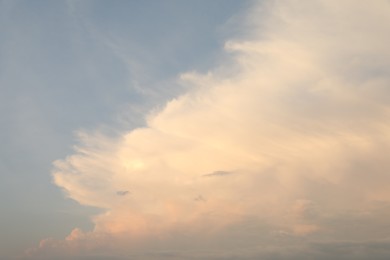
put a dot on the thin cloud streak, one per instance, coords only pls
(298, 112)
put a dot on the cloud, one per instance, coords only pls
(122, 192)
(217, 173)
(299, 112)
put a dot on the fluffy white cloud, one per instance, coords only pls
(282, 149)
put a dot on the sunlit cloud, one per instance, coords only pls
(281, 149)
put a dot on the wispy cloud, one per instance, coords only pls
(217, 173)
(299, 112)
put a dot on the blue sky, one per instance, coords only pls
(194, 129)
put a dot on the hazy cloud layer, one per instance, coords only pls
(293, 131)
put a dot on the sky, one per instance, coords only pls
(195, 129)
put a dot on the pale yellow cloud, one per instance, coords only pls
(297, 120)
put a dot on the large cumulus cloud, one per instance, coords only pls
(281, 150)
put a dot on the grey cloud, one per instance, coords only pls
(200, 198)
(217, 173)
(122, 192)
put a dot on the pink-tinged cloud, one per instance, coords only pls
(282, 148)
